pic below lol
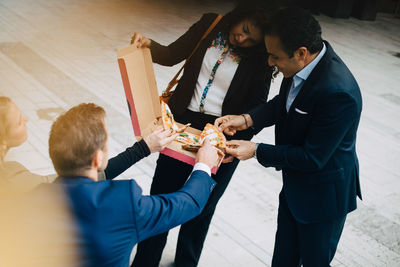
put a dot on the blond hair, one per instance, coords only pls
(75, 137)
(4, 109)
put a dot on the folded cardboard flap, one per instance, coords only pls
(137, 73)
(139, 83)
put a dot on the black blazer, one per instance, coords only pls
(316, 141)
(250, 84)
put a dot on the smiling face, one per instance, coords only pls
(289, 66)
(16, 132)
(245, 34)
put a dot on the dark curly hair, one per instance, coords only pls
(295, 27)
(260, 11)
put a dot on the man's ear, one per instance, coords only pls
(301, 53)
(98, 159)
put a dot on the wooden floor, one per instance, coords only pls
(56, 54)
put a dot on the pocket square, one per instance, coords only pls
(300, 111)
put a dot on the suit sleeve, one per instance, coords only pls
(126, 159)
(333, 118)
(180, 49)
(158, 213)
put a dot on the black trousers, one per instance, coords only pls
(170, 175)
(299, 244)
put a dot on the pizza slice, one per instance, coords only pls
(193, 142)
(217, 138)
(168, 119)
(196, 147)
(188, 138)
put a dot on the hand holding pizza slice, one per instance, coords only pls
(193, 142)
(215, 137)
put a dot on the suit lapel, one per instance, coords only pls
(309, 87)
(236, 81)
(284, 91)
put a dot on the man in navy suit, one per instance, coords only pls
(113, 215)
(316, 116)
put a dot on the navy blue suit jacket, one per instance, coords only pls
(113, 215)
(315, 142)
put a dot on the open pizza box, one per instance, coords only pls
(141, 93)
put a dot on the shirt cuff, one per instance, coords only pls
(202, 167)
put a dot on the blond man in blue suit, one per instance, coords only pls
(112, 216)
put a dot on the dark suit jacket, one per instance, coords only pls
(316, 141)
(112, 216)
(250, 84)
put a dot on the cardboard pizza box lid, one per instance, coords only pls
(137, 73)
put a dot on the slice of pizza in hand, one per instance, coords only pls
(216, 137)
(196, 147)
(168, 120)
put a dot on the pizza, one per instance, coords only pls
(187, 138)
(215, 136)
(190, 141)
(196, 148)
(168, 118)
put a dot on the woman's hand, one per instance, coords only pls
(140, 40)
(159, 139)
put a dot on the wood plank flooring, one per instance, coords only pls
(56, 54)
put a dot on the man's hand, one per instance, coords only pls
(207, 154)
(229, 124)
(140, 40)
(241, 149)
(159, 139)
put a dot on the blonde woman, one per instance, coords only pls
(13, 133)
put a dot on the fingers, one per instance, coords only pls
(206, 142)
(158, 131)
(222, 123)
(140, 40)
(231, 151)
(225, 124)
(169, 139)
(233, 143)
(230, 131)
(219, 121)
(135, 38)
(164, 133)
(228, 158)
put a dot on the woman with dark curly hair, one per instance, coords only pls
(228, 74)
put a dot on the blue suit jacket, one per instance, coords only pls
(113, 215)
(316, 141)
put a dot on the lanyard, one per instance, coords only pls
(212, 76)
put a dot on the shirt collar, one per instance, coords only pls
(303, 74)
